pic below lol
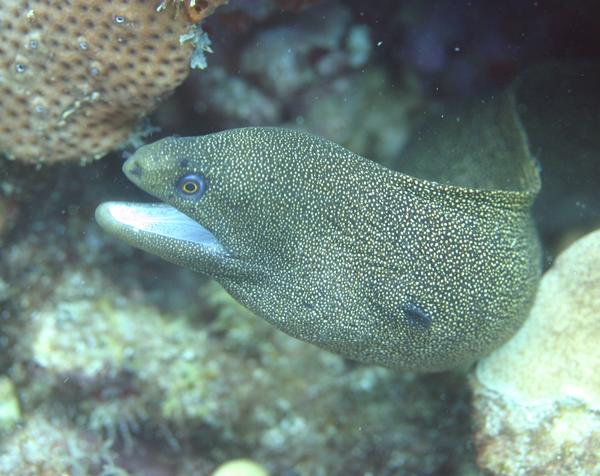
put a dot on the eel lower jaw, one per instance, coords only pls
(158, 219)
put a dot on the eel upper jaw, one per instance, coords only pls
(128, 219)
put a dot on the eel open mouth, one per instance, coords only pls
(160, 219)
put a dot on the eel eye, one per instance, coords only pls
(191, 186)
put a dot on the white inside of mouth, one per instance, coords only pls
(163, 220)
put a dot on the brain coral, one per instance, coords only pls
(77, 75)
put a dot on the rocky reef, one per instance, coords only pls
(537, 398)
(115, 363)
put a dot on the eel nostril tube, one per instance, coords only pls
(135, 169)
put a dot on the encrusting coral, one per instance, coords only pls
(77, 76)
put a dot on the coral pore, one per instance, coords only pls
(76, 76)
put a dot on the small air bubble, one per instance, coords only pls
(33, 44)
(20, 68)
(94, 71)
(119, 19)
(83, 45)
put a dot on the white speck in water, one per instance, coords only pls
(188, 355)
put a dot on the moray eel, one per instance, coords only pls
(408, 272)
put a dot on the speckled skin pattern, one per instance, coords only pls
(339, 251)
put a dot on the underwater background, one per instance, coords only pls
(115, 362)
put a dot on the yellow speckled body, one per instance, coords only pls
(367, 262)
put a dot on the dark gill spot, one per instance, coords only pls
(416, 316)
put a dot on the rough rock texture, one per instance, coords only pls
(53, 448)
(317, 71)
(9, 405)
(77, 76)
(365, 112)
(126, 370)
(323, 41)
(537, 398)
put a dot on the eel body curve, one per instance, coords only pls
(386, 268)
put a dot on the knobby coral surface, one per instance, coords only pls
(77, 76)
(537, 398)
